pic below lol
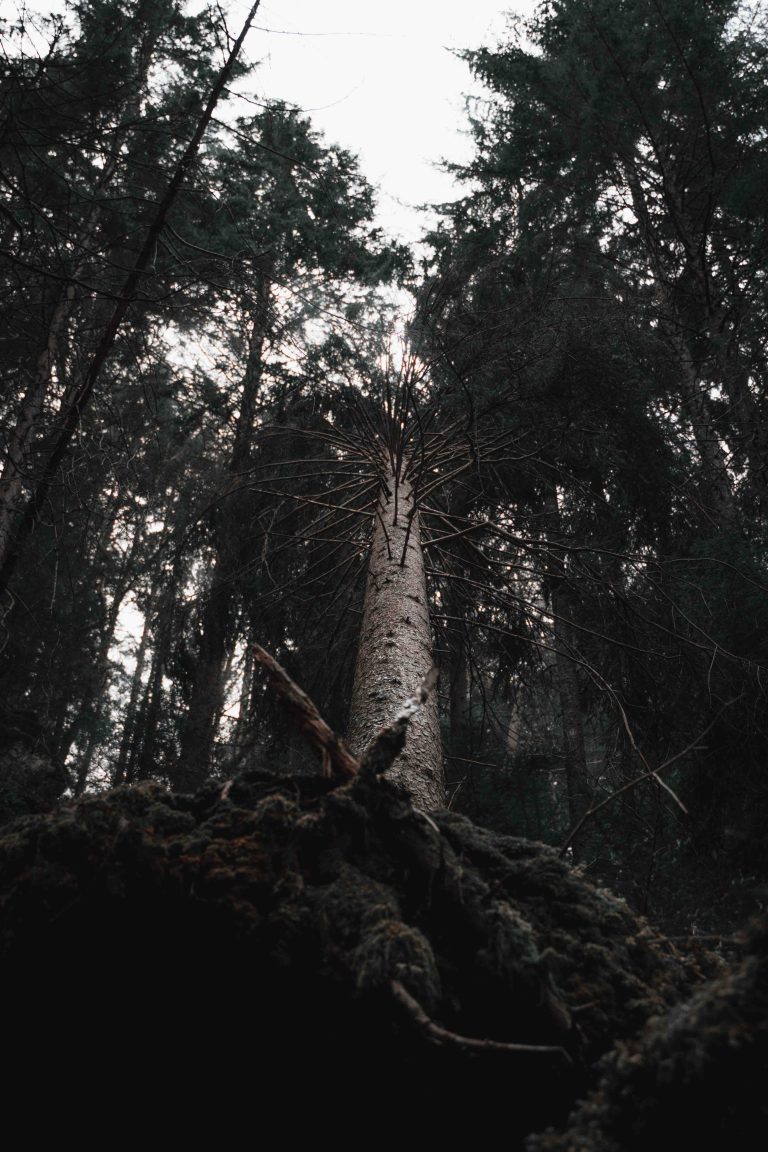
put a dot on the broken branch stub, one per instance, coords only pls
(389, 741)
(338, 761)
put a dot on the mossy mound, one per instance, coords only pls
(693, 1078)
(340, 934)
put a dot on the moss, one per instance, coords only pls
(299, 907)
(694, 1076)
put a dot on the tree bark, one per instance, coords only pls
(243, 723)
(92, 706)
(142, 756)
(19, 469)
(719, 488)
(459, 682)
(143, 759)
(395, 650)
(569, 691)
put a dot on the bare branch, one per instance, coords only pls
(436, 1034)
(338, 762)
(651, 774)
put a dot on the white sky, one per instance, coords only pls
(379, 79)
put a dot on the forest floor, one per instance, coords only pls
(359, 942)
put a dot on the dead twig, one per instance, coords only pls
(338, 761)
(436, 1034)
(650, 774)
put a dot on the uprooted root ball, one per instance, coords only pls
(342, 936)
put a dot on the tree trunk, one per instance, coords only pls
(243, 724)
(395, 651)
(514, 728)
(142, 759)
(714, 461)
(459, 685)
(92, 706)
(19, 469)
(569, 691)
(208, 687)
(578, 786)
(219, 609)
(718, 486)
(130, 722)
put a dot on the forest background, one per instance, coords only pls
(194, 411)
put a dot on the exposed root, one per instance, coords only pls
(439, 1035)
(316, 906)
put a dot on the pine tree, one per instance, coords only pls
(588, 286)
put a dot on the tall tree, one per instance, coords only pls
(588, 286)
(640, 122)
(395, 649)
(306, 213)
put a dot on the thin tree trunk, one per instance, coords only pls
(753, 432)
(395, 649)
(143, 762)
(130, 723)
(514, 728)
(578, 785)
(205, 702)
(569, 691)
(218, 612)
(96, 698)
(243, 724)
(254, 369)
(226, 676)
(18, 469)
(458, 690)
(94, 703)
(713, 458)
